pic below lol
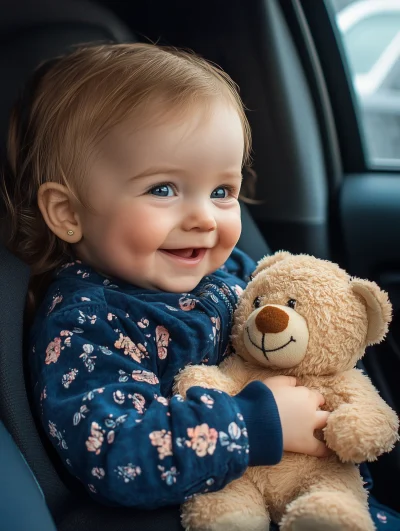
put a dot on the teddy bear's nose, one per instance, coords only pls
(271, 320)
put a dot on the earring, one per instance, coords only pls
(70, 232)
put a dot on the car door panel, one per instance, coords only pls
(370, 218)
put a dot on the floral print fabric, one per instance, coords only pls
(104, 355)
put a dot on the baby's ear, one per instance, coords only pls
(379, 309)
(268, 261)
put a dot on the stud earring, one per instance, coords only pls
(70, 232)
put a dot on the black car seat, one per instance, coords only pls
(29, 33)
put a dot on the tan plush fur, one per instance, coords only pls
(341, 316)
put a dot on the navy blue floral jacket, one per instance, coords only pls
(103, 358)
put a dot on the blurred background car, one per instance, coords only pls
(370, 31)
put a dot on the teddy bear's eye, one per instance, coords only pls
(257, 302)
(291, 303)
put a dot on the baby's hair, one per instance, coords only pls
(69, 106)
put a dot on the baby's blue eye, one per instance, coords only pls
(163, 190)
(219, 193)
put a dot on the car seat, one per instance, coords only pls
(29, 33)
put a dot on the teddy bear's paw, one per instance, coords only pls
(328, 511)
(356, 437)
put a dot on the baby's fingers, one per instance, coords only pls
(321, 420)
(319, 398)
(319, 449)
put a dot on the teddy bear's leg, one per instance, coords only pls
(328, 511)
(237, 507)
(337, 502)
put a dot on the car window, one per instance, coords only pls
(370, 34)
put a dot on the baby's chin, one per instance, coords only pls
(177, 285)
(176, 282)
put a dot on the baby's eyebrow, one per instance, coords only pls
(231, 174)
(158, 170)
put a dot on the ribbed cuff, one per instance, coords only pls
(260, 412)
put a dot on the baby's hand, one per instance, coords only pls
(299, 414)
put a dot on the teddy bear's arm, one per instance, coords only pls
(231, 376)
(362, 426)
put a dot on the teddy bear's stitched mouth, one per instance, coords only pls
(263, 349)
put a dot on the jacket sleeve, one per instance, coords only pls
(97, 391)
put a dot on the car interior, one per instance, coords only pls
(317, 193)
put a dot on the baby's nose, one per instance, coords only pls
(272, 320)
(199, 218)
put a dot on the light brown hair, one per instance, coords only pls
(74, 102)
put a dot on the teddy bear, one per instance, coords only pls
(304, 317)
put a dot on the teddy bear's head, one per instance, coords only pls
(302, 315)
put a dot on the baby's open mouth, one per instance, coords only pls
(184, 253)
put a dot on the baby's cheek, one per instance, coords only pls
(143, 232)
(230, 228)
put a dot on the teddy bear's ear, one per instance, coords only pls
(379, 309)
(268, 261)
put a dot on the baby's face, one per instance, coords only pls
(167, 214)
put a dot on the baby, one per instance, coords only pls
(126, 165)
